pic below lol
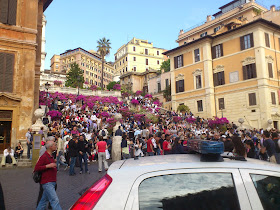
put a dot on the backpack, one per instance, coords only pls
(103, 133)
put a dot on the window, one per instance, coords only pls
(198, 81)
(146, 52)
(147, 61)
(157, 52)
(8, 12)
(252, 99)
(134, 58)
(273, 98)
(249, 71)
(134, 49)
(6, 72)
(266, 37)
(268, 190)
(217, 51)
(217, 29)
(120, 63)
(134, 68)
(203, 34)
(199, 106)
(166, 83)
(159, 87)
(246, 41)
(178, 61)
(177, 191)
(126, 69)
(270, 71)
(180, 86)
(125, 58)
(157, 62)
(221, 103)
(196, 55)
(219, 78)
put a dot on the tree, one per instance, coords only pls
(111, 85)
(165, 65)
(103, 49)
(74, 77)
(167, 93)
(183, 108)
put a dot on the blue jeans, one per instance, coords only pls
(72, 165)
(150, 153)
(84, 157)
(50, 195)
(58, 161)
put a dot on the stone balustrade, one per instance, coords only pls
(85, 92)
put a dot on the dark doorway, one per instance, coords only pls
(5, 135)
(275, 124)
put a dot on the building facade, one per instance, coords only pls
(20, 62)
(137, 56)
(55, 63)
(43, 47)
(234, 74)
(89, 62)
(50, 77)
(157, 85)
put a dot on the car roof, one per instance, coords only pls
(181, 161)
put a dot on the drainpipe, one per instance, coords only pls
(212, 74)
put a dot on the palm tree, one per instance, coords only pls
(104, 49)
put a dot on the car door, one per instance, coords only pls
(263, 188)
(207, 188)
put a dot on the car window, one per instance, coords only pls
(188, 191)
(268, 189)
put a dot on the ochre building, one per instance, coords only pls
(89, 61)
(20, 62)
(233, 73)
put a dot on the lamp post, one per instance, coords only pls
(78, 79)
(47, 86)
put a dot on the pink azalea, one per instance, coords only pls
(138, 93)
(148, 96)
(134, 101)
(117, 87)
(54, 114)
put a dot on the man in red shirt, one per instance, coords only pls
(167, 145)
(46, 164)
(101, 147)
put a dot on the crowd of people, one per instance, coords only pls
(78, 134)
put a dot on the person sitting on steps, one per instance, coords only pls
(8, 157)
(18, 151)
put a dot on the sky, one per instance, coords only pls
(80, 23)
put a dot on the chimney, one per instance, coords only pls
(272, 8)
(181, 31)
(209, 18)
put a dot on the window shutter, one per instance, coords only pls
(242, 47)
(177, 86)
(254, 70)
(182, 59)
(267, 44)
(215, 78)
(183, 85)
(223, 77)
(222, 49)
(175, 63)
(12, 18)
(221, 103)
(4, 6)
(244, 72)
(273, 98)
(252, 39)
(252, 99)
(270, 72)
(213, 52)
(6, 72)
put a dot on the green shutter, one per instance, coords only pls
(9, 73)
(252, 39)
(242, 47)
(222, 49)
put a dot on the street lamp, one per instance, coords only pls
(47, 86)
(78, 79)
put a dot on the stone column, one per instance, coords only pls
(38, 56)
(117, 140)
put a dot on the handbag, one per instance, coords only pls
(37, 175)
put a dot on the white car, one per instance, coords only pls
(178, 182)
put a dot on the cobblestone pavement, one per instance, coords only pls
(21, 192)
